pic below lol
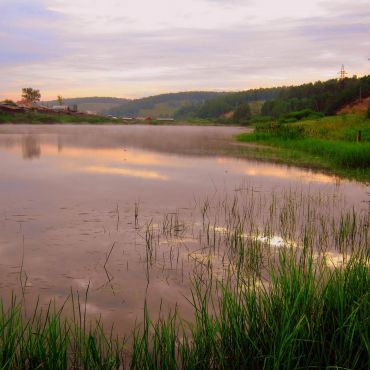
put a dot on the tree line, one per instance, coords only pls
(322, 97)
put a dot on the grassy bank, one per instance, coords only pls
(45, 118)
(328, 143)
(39, 118)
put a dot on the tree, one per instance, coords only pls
(368, 111)
(60, 100)
(31, 95)
(242, 113)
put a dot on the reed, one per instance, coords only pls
(309, 317)
(277, 281)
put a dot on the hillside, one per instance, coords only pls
(325, 97)
(91, 104)
(224, 104)
(164, 105)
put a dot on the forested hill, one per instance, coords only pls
(93, 104)
(164, 105)
(325, 97)
(219, 105)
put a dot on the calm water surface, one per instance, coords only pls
(69, 193)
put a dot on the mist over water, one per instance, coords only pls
(76, 203)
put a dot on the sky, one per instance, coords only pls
(136, 48)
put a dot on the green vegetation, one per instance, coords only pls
(305, 114)
(329, 142)
(215, 107)
(46, 340)
(323, 98)
(37, 118)
(300, 322)
(311, 316)
(303, 304)
(320, 98)
(242, 113)
(164, 105)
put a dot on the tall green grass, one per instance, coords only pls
(339, 153)
(47, 340)
(281, 308)
(308, 317)
(298, 305)
(329, 142)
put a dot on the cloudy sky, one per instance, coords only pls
(135, 48)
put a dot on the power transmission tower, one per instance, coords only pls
(342, 73)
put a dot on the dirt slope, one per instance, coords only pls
(357, 106)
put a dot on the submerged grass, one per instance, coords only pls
(291, 305)
(307, 318)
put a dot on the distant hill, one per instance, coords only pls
(325, 97)
(164, 105)
(91, 104)
(225, 104)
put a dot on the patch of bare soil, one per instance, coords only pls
(358, 106)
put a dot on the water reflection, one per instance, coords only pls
(164, 139)
(124, 172)
(30, 147)
(90, 187)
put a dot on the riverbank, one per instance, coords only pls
(48, 118)
(36, 118)
(338, 144)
